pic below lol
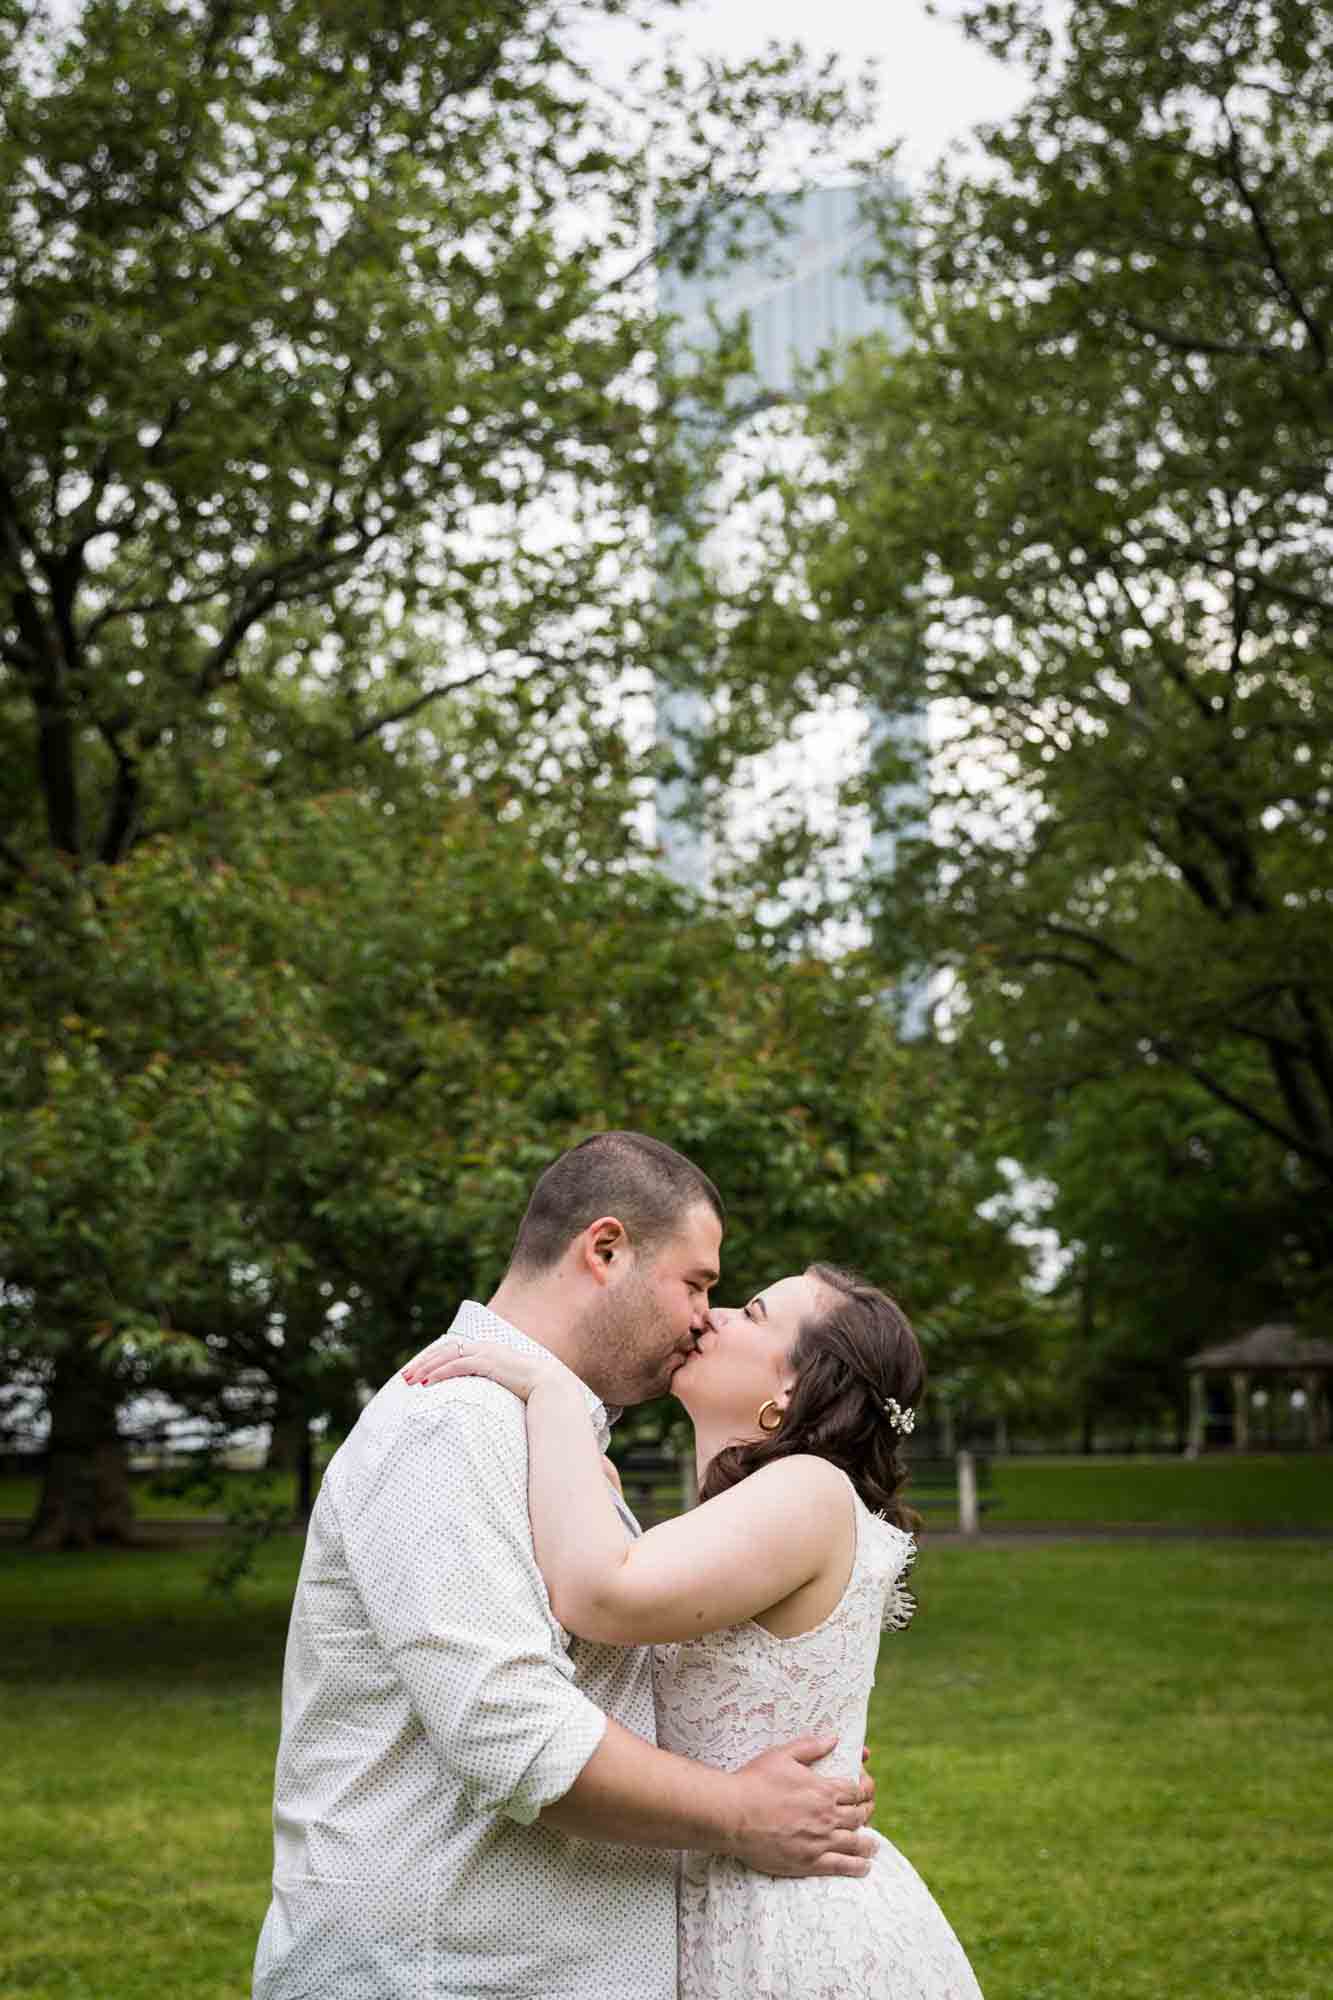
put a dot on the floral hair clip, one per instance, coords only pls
(901, 1420)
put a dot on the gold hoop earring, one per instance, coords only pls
(777, 1416)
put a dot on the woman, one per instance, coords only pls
(764, 1607)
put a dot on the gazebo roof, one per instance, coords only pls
(1277, 1347)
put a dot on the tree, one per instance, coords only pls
(1088, 513)
(326, 371)
(1179, 1233)
(329, 451)
(317, 1070)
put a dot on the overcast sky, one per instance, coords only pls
(934, 85)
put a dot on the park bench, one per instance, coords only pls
(961, 1484)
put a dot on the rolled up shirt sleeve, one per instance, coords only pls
(441, 1554)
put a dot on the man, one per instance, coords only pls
(469, 1803)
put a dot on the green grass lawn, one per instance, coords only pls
(1294, 1490)
(1110, 1763)
(18, 1497)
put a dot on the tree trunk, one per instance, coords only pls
(292, 1449)
(85, 1496)
(305, 1474)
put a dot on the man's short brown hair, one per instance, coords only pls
(649, 1187)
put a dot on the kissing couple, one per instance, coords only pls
(531, 1753)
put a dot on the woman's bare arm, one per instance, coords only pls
(728, 1560)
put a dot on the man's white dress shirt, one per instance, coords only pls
(431, 1706)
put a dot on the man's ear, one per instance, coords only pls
(605, 1247)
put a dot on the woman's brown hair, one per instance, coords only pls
(849, 1360)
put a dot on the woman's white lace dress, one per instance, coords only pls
(724, 1698)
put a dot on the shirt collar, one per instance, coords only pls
(478, 1322)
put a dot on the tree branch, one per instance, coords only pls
(1091, 973)
(407, 709)
(1198, 343)
(1296, 1095)
(1058, 928)
(1318, 1049)
(216, 667)
(13, 859)
(545, 664)
(1265, 235)
(46, 669)
(279, 583)
(148, 607)
(1256, 581)
(1319, 1155)
(124, 808)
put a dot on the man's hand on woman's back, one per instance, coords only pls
(794, 1822)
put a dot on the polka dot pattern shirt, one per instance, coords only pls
(431, 1706)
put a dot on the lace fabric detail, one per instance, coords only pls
(899, 1603)
(724, 1698)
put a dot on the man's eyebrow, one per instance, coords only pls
(704, 1274)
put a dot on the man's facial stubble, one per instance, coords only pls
(629, 1345)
